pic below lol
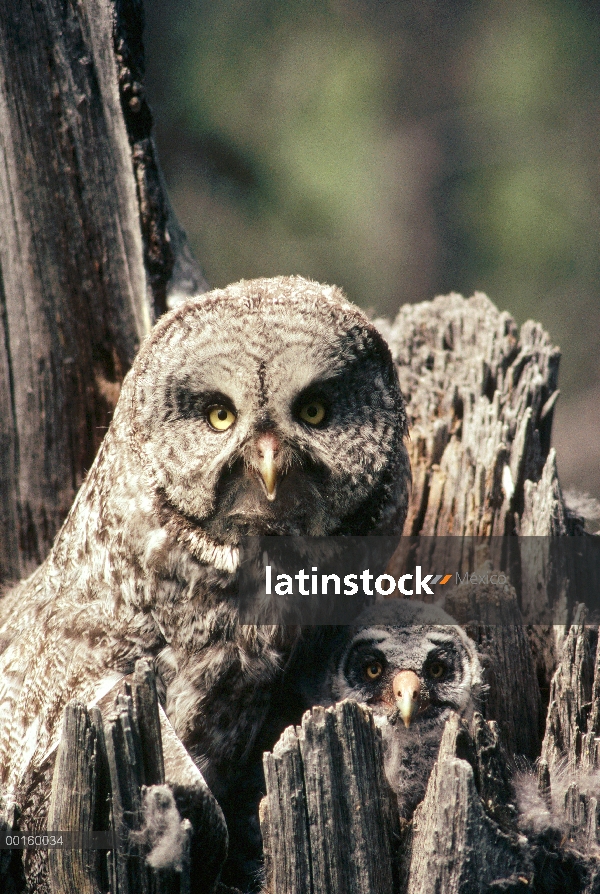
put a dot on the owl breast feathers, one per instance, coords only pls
(268, 407)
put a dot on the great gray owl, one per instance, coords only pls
(412, 665)
(268, 407)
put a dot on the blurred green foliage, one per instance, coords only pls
(284, 108)
(401, 149)
(525, 198)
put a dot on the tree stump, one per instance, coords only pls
(455, 845)
(329, 822)
(162, 829)
(481, 396)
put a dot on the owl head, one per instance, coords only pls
(409, 662)
(270, 407)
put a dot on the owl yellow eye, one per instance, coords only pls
(312, 412)
(437, 670)
(221, 418)
(374, 670)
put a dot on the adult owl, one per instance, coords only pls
(268, 407)
(412, 665)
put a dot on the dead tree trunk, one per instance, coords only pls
(132, 825)
(89, 250)
(481, 396)
(325, 777)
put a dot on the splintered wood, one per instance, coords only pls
(329, 822)
(481, 396)
(166, 832)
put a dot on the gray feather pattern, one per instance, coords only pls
(145, 564)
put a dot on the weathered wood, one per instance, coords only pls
(146, 709)
(512, 697)
(73, 281)
(481, 397)
(571, 748)
(463, 838)
(455, 846)
(73, 802)
(166, 838)
(492, 772)
(126, 780)
(89, 250)
(329, 820)
(284, 819)
(572, 728)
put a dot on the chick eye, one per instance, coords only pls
(221, 418)
(437, 670)
(312, 412)
(374, 670)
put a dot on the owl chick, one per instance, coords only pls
(268, 407)
(412, 665)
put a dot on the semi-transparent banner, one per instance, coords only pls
(501, 580)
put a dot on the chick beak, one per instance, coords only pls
(406, 687)
(267, 449)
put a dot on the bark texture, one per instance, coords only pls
(481, 827)
(329, 821)
(481, 395)
(89, 250)
(166, 834)
(455, 845)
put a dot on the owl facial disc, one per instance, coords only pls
(271, 407)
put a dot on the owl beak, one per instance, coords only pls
(267, 448)
(406, 687)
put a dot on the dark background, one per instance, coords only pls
(401, 150)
